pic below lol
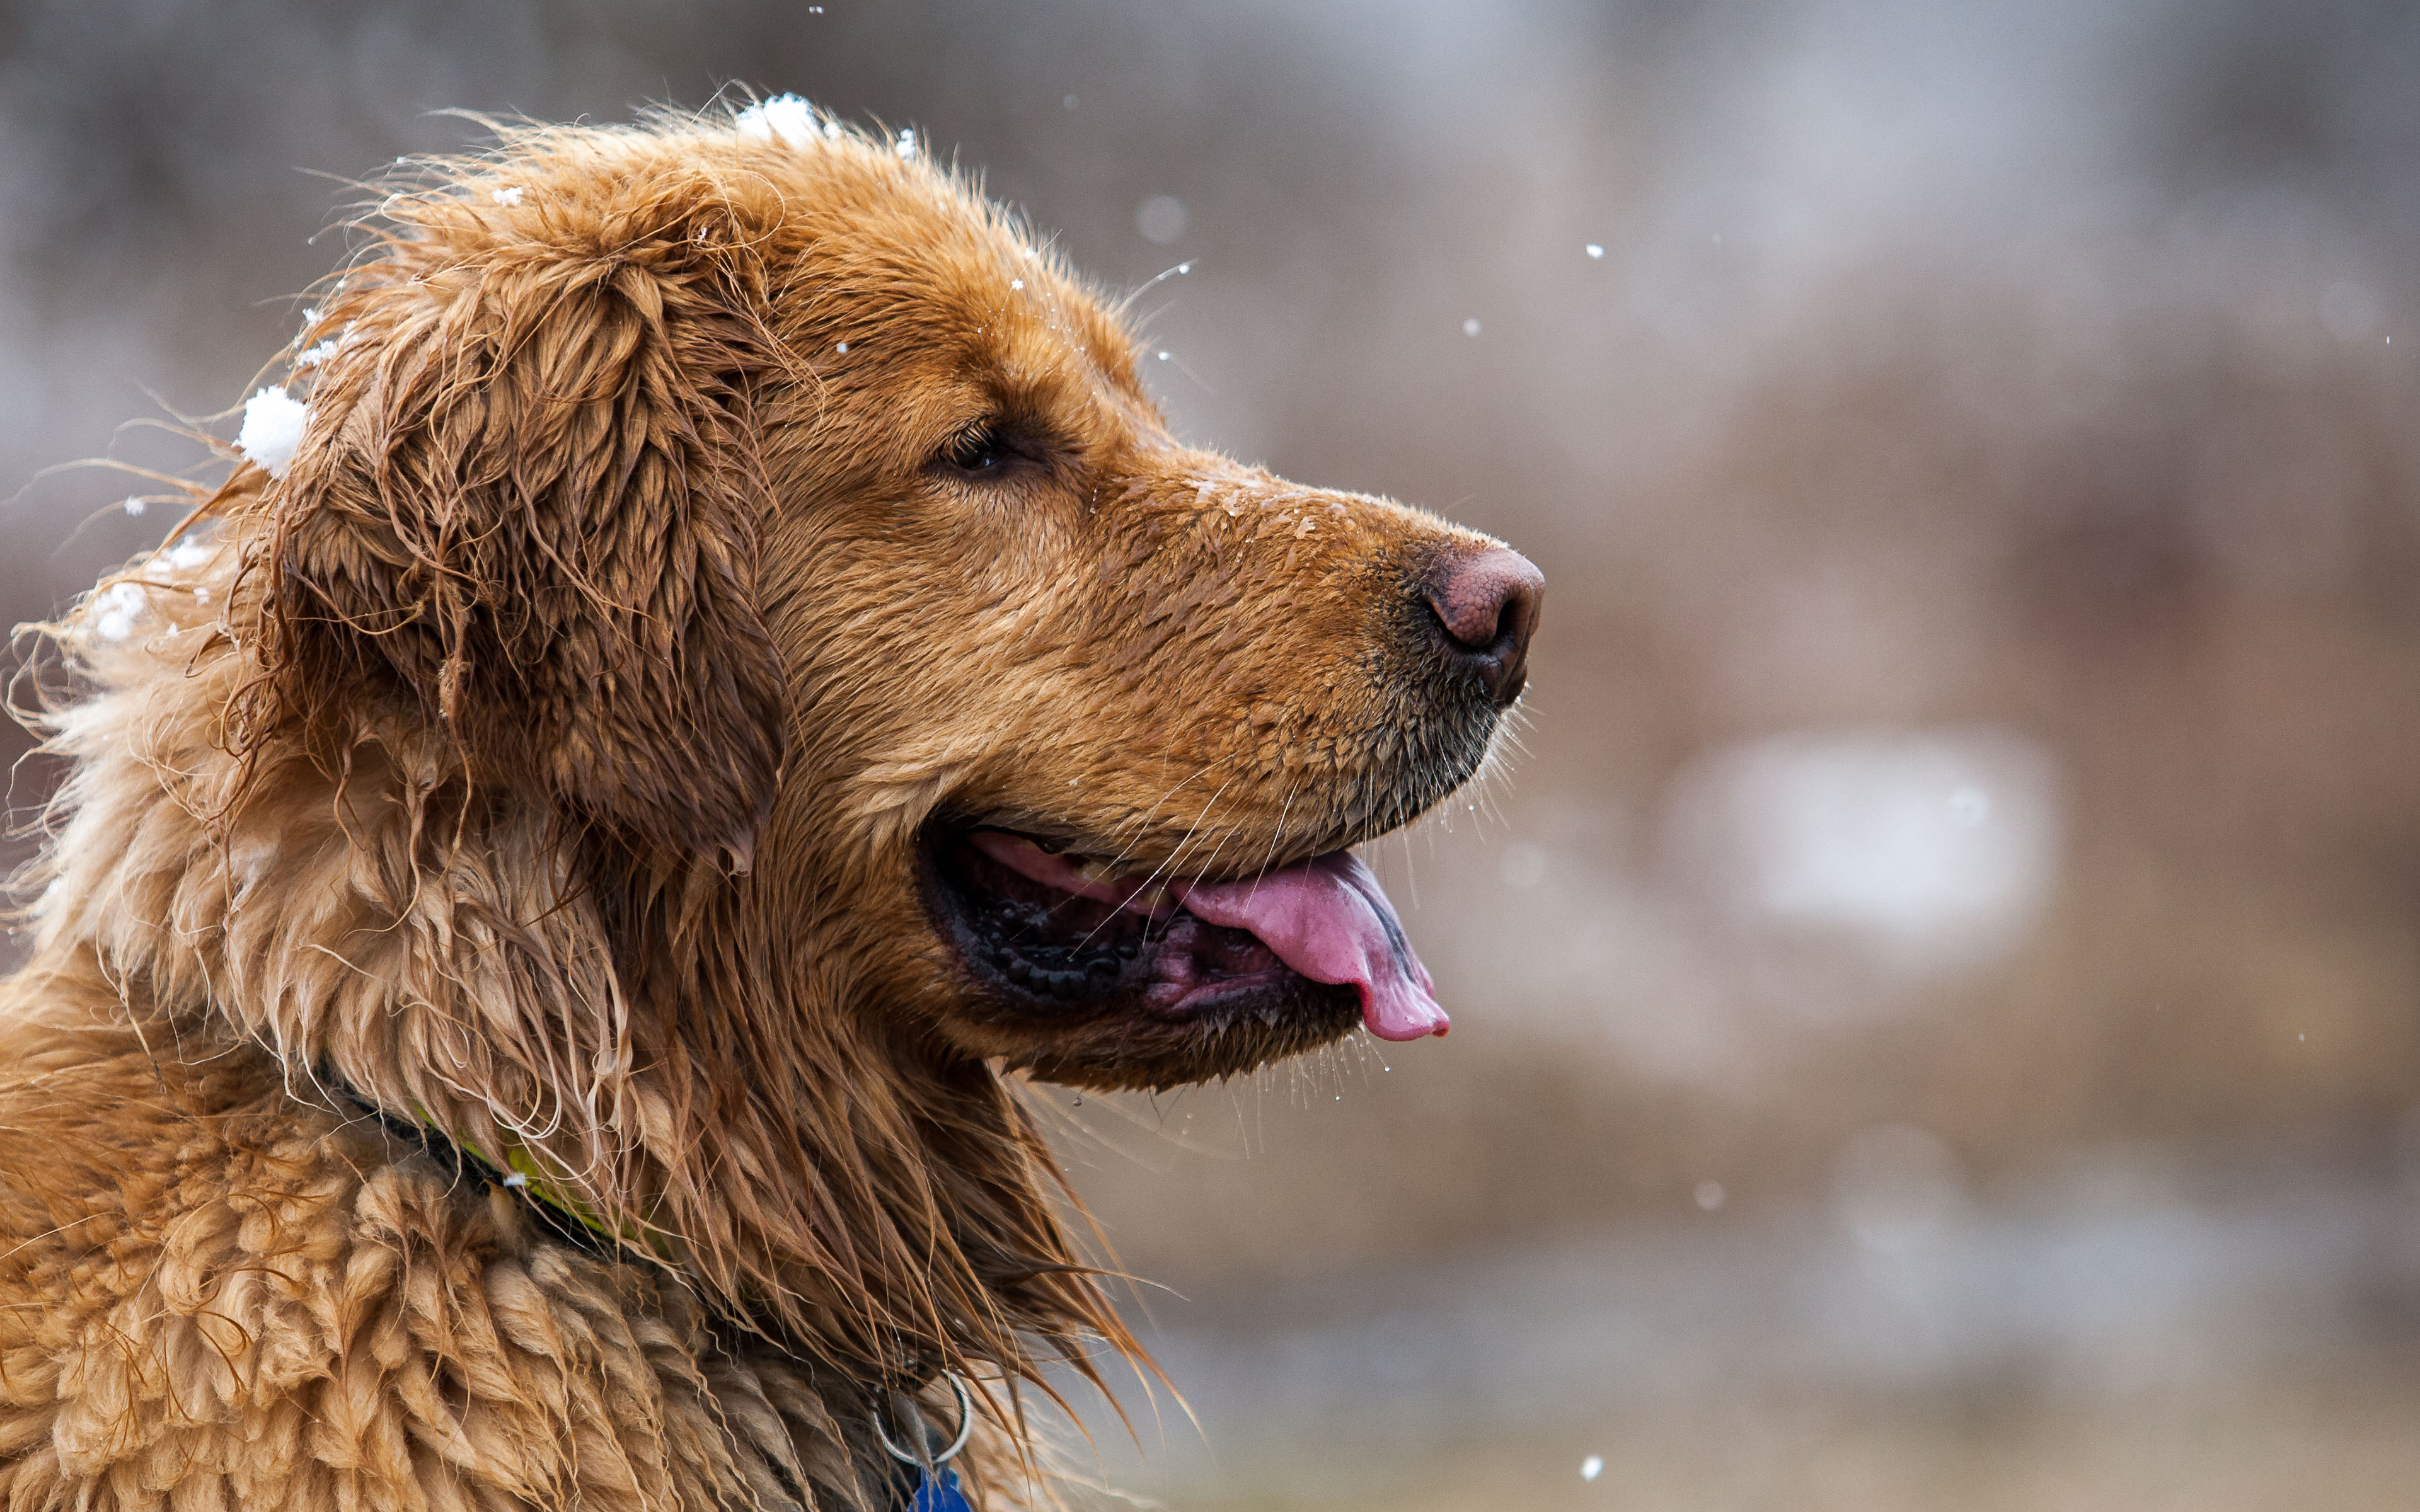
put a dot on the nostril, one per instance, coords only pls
(1487, 604)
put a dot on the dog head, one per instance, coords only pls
(800, 534)
(731, 658)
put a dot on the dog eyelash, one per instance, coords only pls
(979, 449)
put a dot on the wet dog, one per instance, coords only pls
(711, 660)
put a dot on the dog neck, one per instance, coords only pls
(371, 918)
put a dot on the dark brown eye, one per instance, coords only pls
(978, 449)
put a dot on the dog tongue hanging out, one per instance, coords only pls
(1325, 919)
(719, 660)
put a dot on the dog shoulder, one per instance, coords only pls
(207, 1281)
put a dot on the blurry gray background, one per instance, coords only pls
(1935, 1006)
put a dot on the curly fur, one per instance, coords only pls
(542, 756)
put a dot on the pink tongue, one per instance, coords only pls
(1328, 919)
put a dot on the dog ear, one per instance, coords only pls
(529, 499)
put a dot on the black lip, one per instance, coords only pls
(1043, 959)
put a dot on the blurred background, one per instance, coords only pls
(1937, 1005)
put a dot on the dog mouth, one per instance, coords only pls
(1059, 936)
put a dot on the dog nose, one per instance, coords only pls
(1486, 602)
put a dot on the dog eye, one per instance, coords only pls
(979, 449)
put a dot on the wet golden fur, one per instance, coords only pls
(543, 756)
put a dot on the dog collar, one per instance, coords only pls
(521, 1172)
(559, 1207)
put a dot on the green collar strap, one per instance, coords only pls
(524, 1170)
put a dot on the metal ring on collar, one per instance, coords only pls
(966, 1427)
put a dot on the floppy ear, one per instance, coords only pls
(529, 498)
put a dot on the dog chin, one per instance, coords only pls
(1099, 976)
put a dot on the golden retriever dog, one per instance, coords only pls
(710, 668)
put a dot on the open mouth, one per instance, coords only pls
(1059, 936)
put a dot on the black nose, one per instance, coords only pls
(1487, 604)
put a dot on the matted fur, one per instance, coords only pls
(543, 755)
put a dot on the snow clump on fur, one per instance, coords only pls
(273, 428)
(786, 116)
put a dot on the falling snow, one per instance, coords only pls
(1161, 218)
(1471, 328)
(1591, 1467)
(507, 197)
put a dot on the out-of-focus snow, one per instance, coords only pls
(1161, 218)
(273, 428)
(1933, 848)
(787, 118)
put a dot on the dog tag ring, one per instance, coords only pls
(937, 1491)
